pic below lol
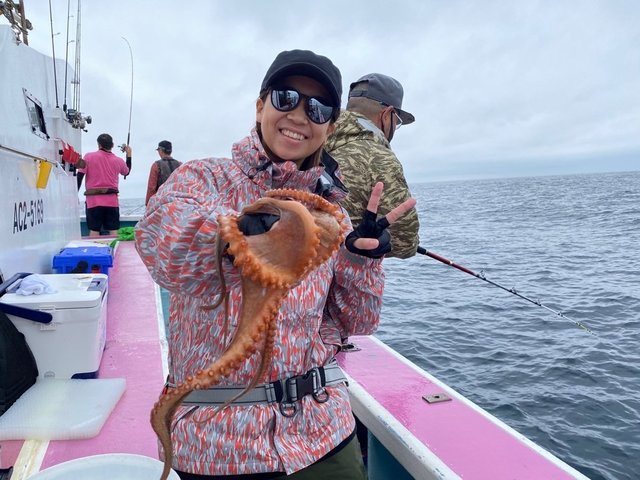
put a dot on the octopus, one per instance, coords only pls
(308, 232)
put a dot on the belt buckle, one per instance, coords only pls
(309, 383)
(304, 384)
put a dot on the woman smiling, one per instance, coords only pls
(305, 429)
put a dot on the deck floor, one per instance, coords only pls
(132, 351)
(454, 435)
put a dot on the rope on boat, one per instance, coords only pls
(512, 290)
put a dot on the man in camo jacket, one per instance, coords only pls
(360, 144)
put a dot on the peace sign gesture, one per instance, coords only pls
(371, 238)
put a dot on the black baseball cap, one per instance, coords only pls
(308, 64)
(165, 145)
(384, 89)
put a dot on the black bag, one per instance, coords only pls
(18, 369)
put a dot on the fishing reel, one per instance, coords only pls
(78, 120)
(122, 147)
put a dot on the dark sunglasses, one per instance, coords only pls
(286, 99)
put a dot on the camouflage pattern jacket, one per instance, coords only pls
(365, 158)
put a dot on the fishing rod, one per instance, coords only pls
(53, 52)
(66, 59)
(481, 276)
(130, 99)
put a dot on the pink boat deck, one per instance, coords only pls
(132, 351)
(470, 442)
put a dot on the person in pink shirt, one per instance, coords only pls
(102, 170)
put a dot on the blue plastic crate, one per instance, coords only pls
(83, 260)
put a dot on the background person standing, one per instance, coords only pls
(102, 170)
(361, 146)
(161, 169)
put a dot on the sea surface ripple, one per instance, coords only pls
(569, 242)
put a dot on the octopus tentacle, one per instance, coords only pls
(308, 232)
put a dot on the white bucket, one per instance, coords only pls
(112, 466)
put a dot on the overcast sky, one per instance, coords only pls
(498, 88)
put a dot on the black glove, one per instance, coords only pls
(371, 228)
(256, 223)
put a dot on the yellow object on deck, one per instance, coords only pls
(43, 174)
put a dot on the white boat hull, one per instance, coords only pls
(35, 221)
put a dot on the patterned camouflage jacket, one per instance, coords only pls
(176, 240)
(365, 158)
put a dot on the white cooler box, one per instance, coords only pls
(71, 345)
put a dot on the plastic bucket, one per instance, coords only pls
(112, 466)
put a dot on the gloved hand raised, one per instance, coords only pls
(371, 238)
(370, 228)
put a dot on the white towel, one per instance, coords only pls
(34, 285)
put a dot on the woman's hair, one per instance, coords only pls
(312, 160)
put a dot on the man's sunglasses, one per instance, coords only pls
(287, 99)
(398, 120)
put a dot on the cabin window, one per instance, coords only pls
(36, 115)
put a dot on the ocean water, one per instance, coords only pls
(569, 242)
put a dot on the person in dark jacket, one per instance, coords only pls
(161, 169)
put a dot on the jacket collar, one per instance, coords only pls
(250, 156)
